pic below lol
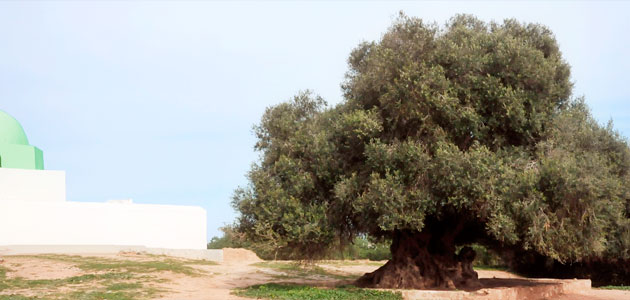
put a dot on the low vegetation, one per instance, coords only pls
(106, 279)
(149, 266)
(615, 287)
(300, 270)
(446, 136)
(361, 247)
(301, 292)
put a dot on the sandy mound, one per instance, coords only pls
(239, 255)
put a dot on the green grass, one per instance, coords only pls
(300, 270)
(21, 283)
(106, 289)
(3, 272)
(16, 297)
(117, 291)
(109, 279)
(301, 292)
(200, 262)
(184, 261)
(102, 295)
(104, 264)
(615, 287)
(124, 286)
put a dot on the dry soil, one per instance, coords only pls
(239, 270)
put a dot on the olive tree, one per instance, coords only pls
(447, 136)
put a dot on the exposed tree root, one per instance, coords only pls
(420, 261)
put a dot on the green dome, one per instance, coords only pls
(11, 132)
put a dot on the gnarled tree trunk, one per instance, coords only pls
(424, 261)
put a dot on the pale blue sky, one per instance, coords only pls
(155, 101)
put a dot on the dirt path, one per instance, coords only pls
(217, 282)
(227, 276)
(597, 294)
(239, 274)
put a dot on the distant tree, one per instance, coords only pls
(447, 137)
(230, 239)
(264, 247)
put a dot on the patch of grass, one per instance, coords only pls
(201, 262)
(301, 292)
(3, 276)
(300, 270)
(185, 261)
(108, 279)
(16, 297)
(140, 266)
(80, 295)
(615, 287)
(21, 283)
(113, 291)
(3, 272)
(104, 264)
(102, 295)
(124, 286)
(120, 292)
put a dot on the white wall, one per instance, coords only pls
(85, 223)
(32, 185)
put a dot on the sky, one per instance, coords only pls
(155, 101)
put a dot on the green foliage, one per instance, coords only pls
(615, 287)
(231, 239)
(295, 292)
(486, 259)
(104, 264)
(220, 242)
(466, 131)
(363, 248)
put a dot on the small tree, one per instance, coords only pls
(447, 137)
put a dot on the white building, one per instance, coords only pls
(34, 210)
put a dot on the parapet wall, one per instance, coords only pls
(86, 223)
(34, 211)
(203, 254)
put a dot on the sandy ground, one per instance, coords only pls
(238, 271)
(597, 295)
(33, 269)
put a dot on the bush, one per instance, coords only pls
(361, 248)
(487, 258)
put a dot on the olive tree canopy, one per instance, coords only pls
(447, 136)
